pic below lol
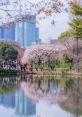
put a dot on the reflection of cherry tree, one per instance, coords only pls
(41, 54)
(39, 88)
(67, 93)
(73, 103)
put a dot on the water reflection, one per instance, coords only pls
(33, 96)
(42, 89)
(24, 105)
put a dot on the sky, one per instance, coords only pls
(48, 31)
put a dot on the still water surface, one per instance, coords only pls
(33, 96)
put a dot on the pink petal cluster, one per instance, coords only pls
(43, 53)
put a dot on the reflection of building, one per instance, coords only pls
(1, 33)
(24, 106)
(8, 100)
(1, 99)
(23, 32)
(17, 100)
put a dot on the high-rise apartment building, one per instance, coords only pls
(27, 32)
(7, 31)
(23, 32)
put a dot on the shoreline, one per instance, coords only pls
(10, 72)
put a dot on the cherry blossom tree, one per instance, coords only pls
(42, 54)
(16, 10)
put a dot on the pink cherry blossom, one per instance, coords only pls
(43, 53)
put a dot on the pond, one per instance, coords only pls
(36, 96)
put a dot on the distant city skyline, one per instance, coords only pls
(24, 33)
(48, 31)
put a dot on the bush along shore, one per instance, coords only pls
(4, 72)
(60, 72)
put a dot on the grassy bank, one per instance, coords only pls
(53, 66)
(57, 72)
(61, 73)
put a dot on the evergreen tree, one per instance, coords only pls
(7, 52)
(76, 25)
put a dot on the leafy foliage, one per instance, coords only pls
(76, 23)
(4, 72)
(7, 52)
(7, 88)
(76, 9)
(65, 34)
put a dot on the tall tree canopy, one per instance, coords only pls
(75, 34)
(65, 35)
(76, 9)
(7, 52)
(76, 23)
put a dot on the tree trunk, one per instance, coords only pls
(77, 47)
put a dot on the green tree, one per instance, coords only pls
(7, 52)
(65, 35)
(76, 25)
(76, 9)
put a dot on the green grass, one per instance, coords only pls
(63, 66)
(54, 66)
